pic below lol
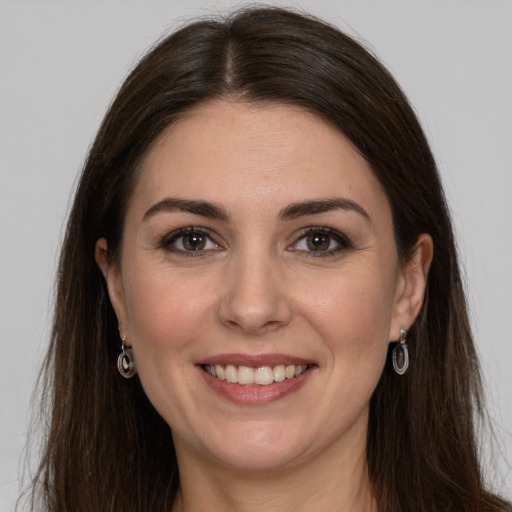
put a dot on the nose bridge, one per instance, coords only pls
(255, 298)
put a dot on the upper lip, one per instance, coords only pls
(254, 360)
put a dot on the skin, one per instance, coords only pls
(258, 288)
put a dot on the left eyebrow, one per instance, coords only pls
(316, 206)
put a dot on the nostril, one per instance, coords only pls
(253, 320)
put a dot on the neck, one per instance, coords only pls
(332, 480)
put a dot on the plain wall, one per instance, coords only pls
(60, 64)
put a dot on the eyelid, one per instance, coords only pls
(340, 238)
(167, 241)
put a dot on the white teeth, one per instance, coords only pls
(219, 371)
(263, 375)
(279, 373)
(245, 375)
(231, 373)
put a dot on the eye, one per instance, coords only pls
(190, 240)
(321, 242)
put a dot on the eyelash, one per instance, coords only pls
(170, 239)
(342, 241)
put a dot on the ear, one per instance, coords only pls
(112, 274)
(411, 285)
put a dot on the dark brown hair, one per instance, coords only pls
(107, 448)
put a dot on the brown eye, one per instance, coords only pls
(321, 241)
(318, 242)
(189, 241)
(194, 242)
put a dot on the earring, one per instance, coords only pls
(401, 354)
(125, 361)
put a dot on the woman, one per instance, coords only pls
(260, 243)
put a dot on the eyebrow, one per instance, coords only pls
(292, 211)
(203, 208)
(317, 206)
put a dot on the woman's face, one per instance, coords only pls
(258, 248)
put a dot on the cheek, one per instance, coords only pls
(163, 312)
(168, 323)
(352, 314)
(351, 303)
(349, 316)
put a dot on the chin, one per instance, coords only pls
(263, 446)
(259, 457)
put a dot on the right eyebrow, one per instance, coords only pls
(203, 208)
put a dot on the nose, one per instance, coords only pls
(255, 299)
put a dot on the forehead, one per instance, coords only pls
(252, 155)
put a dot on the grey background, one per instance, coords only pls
(60, 64)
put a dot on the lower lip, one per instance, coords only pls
(256, 394)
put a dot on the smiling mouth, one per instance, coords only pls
(261, 375)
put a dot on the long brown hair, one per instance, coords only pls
(107, 448)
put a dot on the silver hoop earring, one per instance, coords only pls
(125, 361)
(401, 354)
